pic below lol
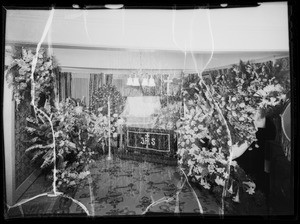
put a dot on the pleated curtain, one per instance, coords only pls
(63, 85)
(80, 88)
(96, 80)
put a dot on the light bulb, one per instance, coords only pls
(129, 82)
(145, 82)
(114, 6)
(151, 82)
(136, 82)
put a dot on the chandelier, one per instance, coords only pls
(146, 81)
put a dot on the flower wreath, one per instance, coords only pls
(19, 74)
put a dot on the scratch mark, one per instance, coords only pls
(35, 57)
(161, 200)
(55, 193)
(92, 195)
(173, 37)
(85, 25)
(54, 149)
(21, 210)
(199, 204)
(168, 199)
(173, 29)
(25, 201)
(34, 62)
(123, 21)
(215, 103)
(78, 203)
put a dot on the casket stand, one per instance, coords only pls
(143, 141)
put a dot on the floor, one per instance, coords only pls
(121, 187)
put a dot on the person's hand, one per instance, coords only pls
(237, 151)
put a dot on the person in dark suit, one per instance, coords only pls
(253, 159)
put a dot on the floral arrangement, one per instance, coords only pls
(203, 144)
(247, 89)
(101, 96)
(19, 75)
(76, 130)
(218, 117)
(168, 116)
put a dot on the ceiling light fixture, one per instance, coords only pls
(136, 82)
(224, 5)
(129, 82)
(114, 6)
(75, 6)
(145, 82)
(151, 82)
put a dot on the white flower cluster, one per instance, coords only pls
(271, 95)
(206, 163)
(21, 79)
(71, 178)
(250, 187)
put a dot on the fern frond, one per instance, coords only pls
(47, 162)
(30, 129)
(37, 154)
(49, 153)
(41, 118)
(34, 140)
(31, 120)
(39, 146)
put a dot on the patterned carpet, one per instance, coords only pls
(122, 187)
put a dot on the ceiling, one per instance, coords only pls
(257, 29)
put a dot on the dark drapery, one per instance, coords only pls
(96, 80)
(63, 85)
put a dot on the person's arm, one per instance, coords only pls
(259, 122)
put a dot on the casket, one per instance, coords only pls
(142, 140)
(139, 111)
